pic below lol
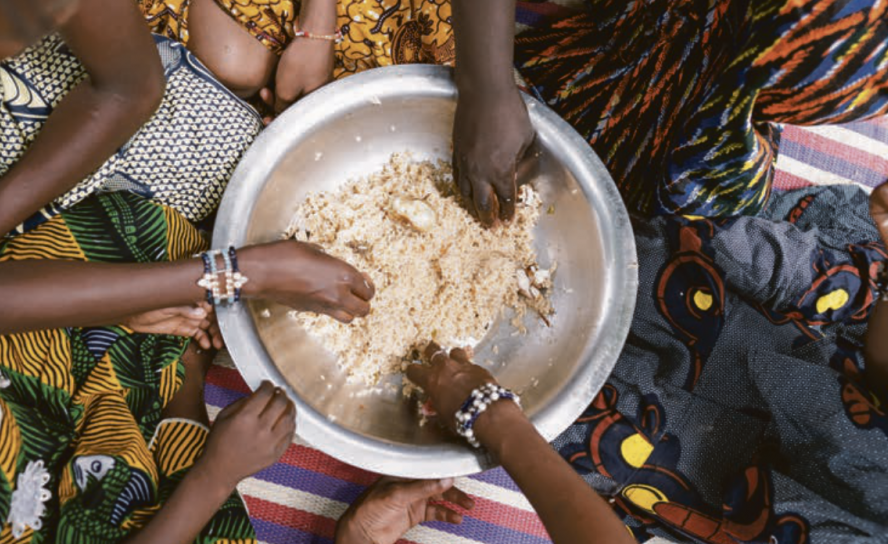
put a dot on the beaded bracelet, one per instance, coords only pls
(336, 37)
(234, 280)
(238, 279)
(478, 402)
(210, 280)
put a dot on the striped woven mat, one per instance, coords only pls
(299, 499)
(853, 153)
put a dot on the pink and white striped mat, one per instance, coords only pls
(853, 153)
(299, 499)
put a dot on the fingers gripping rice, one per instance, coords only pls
(438, 273)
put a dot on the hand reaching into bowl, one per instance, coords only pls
(491, 135)
(569, 508)
(303, 277)
(448, 381)
(158, 298)
(492, 130)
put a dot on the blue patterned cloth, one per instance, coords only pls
(738, 410)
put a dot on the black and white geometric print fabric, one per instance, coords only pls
(182, 157)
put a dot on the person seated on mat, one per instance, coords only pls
(116, 87)
(683, 100)
(102, 418)
(747, 405)
(104, 425)
(570, 510)
(256, 46)
(90, 111)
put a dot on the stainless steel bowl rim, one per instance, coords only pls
(255, 364)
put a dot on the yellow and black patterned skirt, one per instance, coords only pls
(376, 32)
(84, 453)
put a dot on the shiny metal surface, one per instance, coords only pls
(349, 129)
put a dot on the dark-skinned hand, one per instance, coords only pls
(448, 380)
(249, 435)
(198, 322)
(491, 135)
(391, 507)
(879, 210)
(303, 277)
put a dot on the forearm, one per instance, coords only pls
(569, 508)
(188, 510)
(485, 41)
(40, 294)
(86, 128)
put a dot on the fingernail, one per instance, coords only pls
(446, 483)
(198, 312)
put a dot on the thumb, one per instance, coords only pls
(424, 489)
(419, 374)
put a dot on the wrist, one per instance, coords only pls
(215, 486)
(253, 266)
(495, 426)
(346, 532)
(492, 84)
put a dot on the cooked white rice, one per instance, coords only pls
(439, 274)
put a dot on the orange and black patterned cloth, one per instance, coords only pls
(739, 411)
(376, 32)
(682, 98)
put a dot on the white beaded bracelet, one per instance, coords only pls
(478, 401)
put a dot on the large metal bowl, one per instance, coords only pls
(349, 129)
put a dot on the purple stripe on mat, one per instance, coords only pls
(483, 531)
(342, 491)
(312, 482)
(220, 396)
(497, 477)
(273, 533)
(851, 170)
(873, 130)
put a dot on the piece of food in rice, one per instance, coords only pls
(438, 273)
